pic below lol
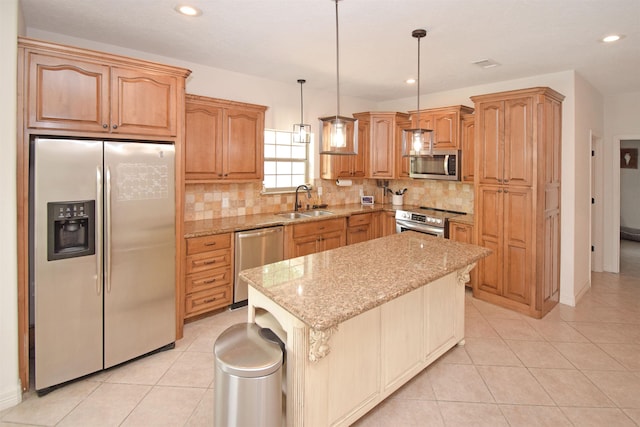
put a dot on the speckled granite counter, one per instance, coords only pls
(327, 288)
(463, 219)
(208, 227)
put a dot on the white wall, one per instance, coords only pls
(589, 120)
(621, 123)
(10, 390)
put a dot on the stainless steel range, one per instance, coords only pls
(426, 220)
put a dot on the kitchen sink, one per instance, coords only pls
(318, 213)
(292, 215)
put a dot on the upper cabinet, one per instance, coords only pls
(445, 123)
(467, 146)
(224, 140)
(383, 142)
(78, 90)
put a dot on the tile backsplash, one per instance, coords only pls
(206, 201)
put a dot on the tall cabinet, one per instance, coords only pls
(517, 198)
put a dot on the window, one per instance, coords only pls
(286, 163)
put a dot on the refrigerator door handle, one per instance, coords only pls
(98, 230)
(107, 232)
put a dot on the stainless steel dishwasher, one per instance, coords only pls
(254, 248)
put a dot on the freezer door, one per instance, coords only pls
(139, 249)
(67, 291)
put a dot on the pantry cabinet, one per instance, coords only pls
(224, 140)
(445, 123)
(208, 274)
(315, 236)
(517, 198)
(86, 93)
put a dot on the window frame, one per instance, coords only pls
(306, 161)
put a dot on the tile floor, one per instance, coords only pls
(576, 367)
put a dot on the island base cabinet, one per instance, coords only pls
(336, 376)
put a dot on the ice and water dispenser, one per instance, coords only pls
(70, 229)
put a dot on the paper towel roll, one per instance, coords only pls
(343, 182)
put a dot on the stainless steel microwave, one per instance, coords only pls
(441, 165)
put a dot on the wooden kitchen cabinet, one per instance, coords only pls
(86, 92)
(462, 232)
(360, 228)
(387, 223)
(347, 166)
(445, 123)
(467, 147)
(224, 140)
(314, 236)
(382, 141)
(517, 198)
(208, 274)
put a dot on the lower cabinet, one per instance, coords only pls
(461, 232)
(316, 236)
(360, 228)
(387, 223)
(208, 274)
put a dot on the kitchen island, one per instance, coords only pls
(360, 321)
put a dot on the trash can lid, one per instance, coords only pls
(241, 351)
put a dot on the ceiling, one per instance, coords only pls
(285, 40)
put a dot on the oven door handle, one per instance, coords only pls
(438, 231)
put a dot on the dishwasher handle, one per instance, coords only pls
(258, 233)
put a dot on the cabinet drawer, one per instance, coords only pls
(208, 260)
(318, 227)
(203, 301)
(197, 245)
(207, 279)
(359, 219)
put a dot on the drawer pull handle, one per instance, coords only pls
(206, 282)
(210, 244)
(209, 300)
(204, 262)
(320, 228)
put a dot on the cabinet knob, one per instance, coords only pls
(104, 126)
(115, 126)
(505, 180)
(220, 174)
(226, 174)
(506, 191)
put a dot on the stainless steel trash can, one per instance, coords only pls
(248, 377)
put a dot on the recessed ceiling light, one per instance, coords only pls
(188, 10)
(611, 38)
(410, 81)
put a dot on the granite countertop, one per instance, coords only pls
(330, 287)
(247, 222)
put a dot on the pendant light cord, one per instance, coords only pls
(418, 124)
(337, 66)
(301, 103)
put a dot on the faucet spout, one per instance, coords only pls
(296, 206)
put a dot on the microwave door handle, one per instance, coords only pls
(446, 164)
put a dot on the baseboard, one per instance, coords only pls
(572, 300)
(11, 397)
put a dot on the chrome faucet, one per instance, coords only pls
(308, 190)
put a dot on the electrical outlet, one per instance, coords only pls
(225, 202)
(319, 191)
(361, 192)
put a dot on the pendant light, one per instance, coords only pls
(338, 134)
(301, 132)
(414, 140)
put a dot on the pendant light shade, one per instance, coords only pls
(301, 131)
(338, 134)
(417, 141)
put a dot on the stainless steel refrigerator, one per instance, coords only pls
(102, 254)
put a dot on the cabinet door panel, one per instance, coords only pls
(490, 236)
(203, 138)
(467, 145)
(143, 103)
(304, 246)
(490, 141)
(446, 135)
(333, 240)
(67, 94)
(517, 245)
(518, 141)
(381, 147)
(243, 156)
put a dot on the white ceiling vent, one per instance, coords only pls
(486, 63)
